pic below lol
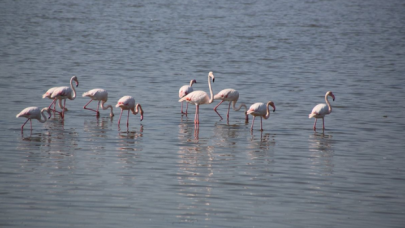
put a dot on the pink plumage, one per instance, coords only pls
(33, 113)
(184, 90)
(128, 103)
(63, 93)
(100, 95)
(320, 110)
(262, 110)
(232, 96)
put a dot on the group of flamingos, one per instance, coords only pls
(186, 93)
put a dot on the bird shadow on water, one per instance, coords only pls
(129, 139)
(321, 152)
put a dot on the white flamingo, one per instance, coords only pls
(200, 97)
(63, 93)
(184, 90)
(232, 96)
(48, 94)
(33, 113)
(128, 103)
(262, 110)
(320, 110)
(100, 95)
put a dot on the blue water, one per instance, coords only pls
(85, 171)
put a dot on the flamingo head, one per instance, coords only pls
(271, 103)
(192, 82)
(211, 75)
(48, 110)
(74, 78)
(329, 93)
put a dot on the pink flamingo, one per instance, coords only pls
(320, 110)
(33, 113)
(48, 95)
(184, 90)
(128, 103)
(63, 93)
(200, 97)
(232, 96)
(100, 95)
(262, 110)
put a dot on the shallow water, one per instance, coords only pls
(163, 171)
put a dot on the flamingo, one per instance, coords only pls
(184, 90)
(64, 93)
(232, 96)
(33, 113)
(262, 110)
(48, 94)
(320, 110)
(200, 97)
(100, 95)
(128, 103)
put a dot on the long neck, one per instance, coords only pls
(240, 106)
(73, 88)
(327, 102)
(138, 108)
(191, 82)
(108, 106)
(268, 111)
(212, 96)
(42, 115)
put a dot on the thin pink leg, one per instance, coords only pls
(253, 122)
(181, 107)
(323, 123)
(63, 111)
(261, 123)
(22, 127)
(186, 108)
(215, 109)
(30, 124)
(98, 106)
(128, 119)
(229, 107)
(119, 120)
(315, 124)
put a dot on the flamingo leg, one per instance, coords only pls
(253, 122)
(323, 123)
(315, 124)
(227, 115)
(22, 127)
(30, 124)
(119, 120)
(186, 107)
(128, 119)
(98, 105)
(85, 106)
(197, 115)
(181, 107)
(63, 110)
(215, 109)
(261, 123)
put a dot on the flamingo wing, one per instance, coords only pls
(184, 90)
(30, 112)
(257, 109)
(196, 98)
(319, 111)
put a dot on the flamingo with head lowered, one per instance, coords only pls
(63, 93)
(200, 97)
(232, 96)
(128, 103)
(100, 95)
(184, 90)
(320, 110)
(48, 94)
(33, 113)
(262, 110)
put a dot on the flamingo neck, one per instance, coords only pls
(73, 88)
(138, 109)
(191, 83)
(240, 106)
(211, 93)
(327, 102)
(108, 106)
(268, 111)
(42, 115)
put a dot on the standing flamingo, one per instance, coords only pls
(184, 90)
(64, 93)
(48, 94)
(230, 95)
(128, 103)
(200, 97)
(33, 113)
(320, 110)
(262, 110)
(100, 95)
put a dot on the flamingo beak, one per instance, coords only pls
(213, 80)
(141, 117)
(274, 108)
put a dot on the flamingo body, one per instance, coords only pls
(100, 95)
(63, 93)
(48, 94)
(184, 90)
(33, 113)
(261, 110)
(232, 96)
(321, 110)
(128, 103)
(200, 97)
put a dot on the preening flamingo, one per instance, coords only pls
(100, 95)
(48, 94)
(184, 90)
(200, 97)
(320, 110)
(262, 110)
(63, 93)
(128, 103)
(232, 96)
(33, 113)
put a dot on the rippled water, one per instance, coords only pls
(164, 172)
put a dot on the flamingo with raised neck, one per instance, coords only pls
(320, 110)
